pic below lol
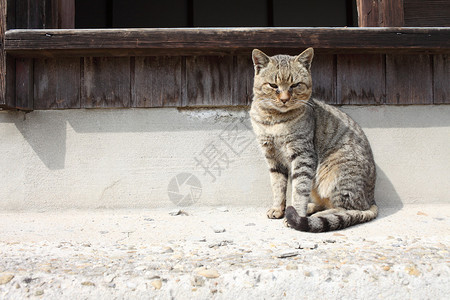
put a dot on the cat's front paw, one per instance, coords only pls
(275, 213)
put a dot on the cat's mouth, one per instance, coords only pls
(284, 107)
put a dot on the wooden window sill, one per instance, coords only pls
(221, 41)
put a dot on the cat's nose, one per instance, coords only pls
(284, 97)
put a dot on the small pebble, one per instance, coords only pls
(220, 244)
(201, 239)
(27, 279)
(307, 245)
(338, 234)
(197, 281)
(412, 270)
(131, 285)
(141, 268)
(287, 254)
(291, 267)
(39, 293)
(5, 278)
(167, 250)
(157, 284)
(109, 278)
(178, 212)
(222, 209)
(218, 229)
(209, 273)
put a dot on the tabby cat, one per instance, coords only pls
(321, 149)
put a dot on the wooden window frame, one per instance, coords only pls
(20, 46)
(221, 41)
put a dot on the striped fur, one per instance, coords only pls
(319, 148)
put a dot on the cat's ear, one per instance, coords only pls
(260, 60)
(305, 57)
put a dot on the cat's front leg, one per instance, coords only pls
(303, 172)
(278, 178)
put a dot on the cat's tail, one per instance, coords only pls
(334, 220)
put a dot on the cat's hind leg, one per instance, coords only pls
(318, 203)
(313, 208)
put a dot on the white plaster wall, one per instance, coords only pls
(126, 158)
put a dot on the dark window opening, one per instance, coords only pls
(207, 13)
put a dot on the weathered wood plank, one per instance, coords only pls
(408, 79)
(368, 13)
(51, 14)
(377, 13)
(392, 13)
(66, 14)
(11, 13)
(360, 79)
(36, 14)
(21, 14)
(24, 83)
(427, 13)
(32, 14)
(209, 80)
(243, 80)
(225, 40)
(323, 72)
(106, 82)
(441, 84)
(57, 83)
(156, 81)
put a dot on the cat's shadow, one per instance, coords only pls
(386, 197)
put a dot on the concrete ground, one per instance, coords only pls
(222, 253)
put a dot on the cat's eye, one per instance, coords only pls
(293, 86)
(273, 85)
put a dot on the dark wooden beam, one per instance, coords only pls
(2, 53)
(120, 42)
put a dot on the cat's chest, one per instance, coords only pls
(277, 131)
(275, 142)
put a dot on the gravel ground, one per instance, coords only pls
(221, 253)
